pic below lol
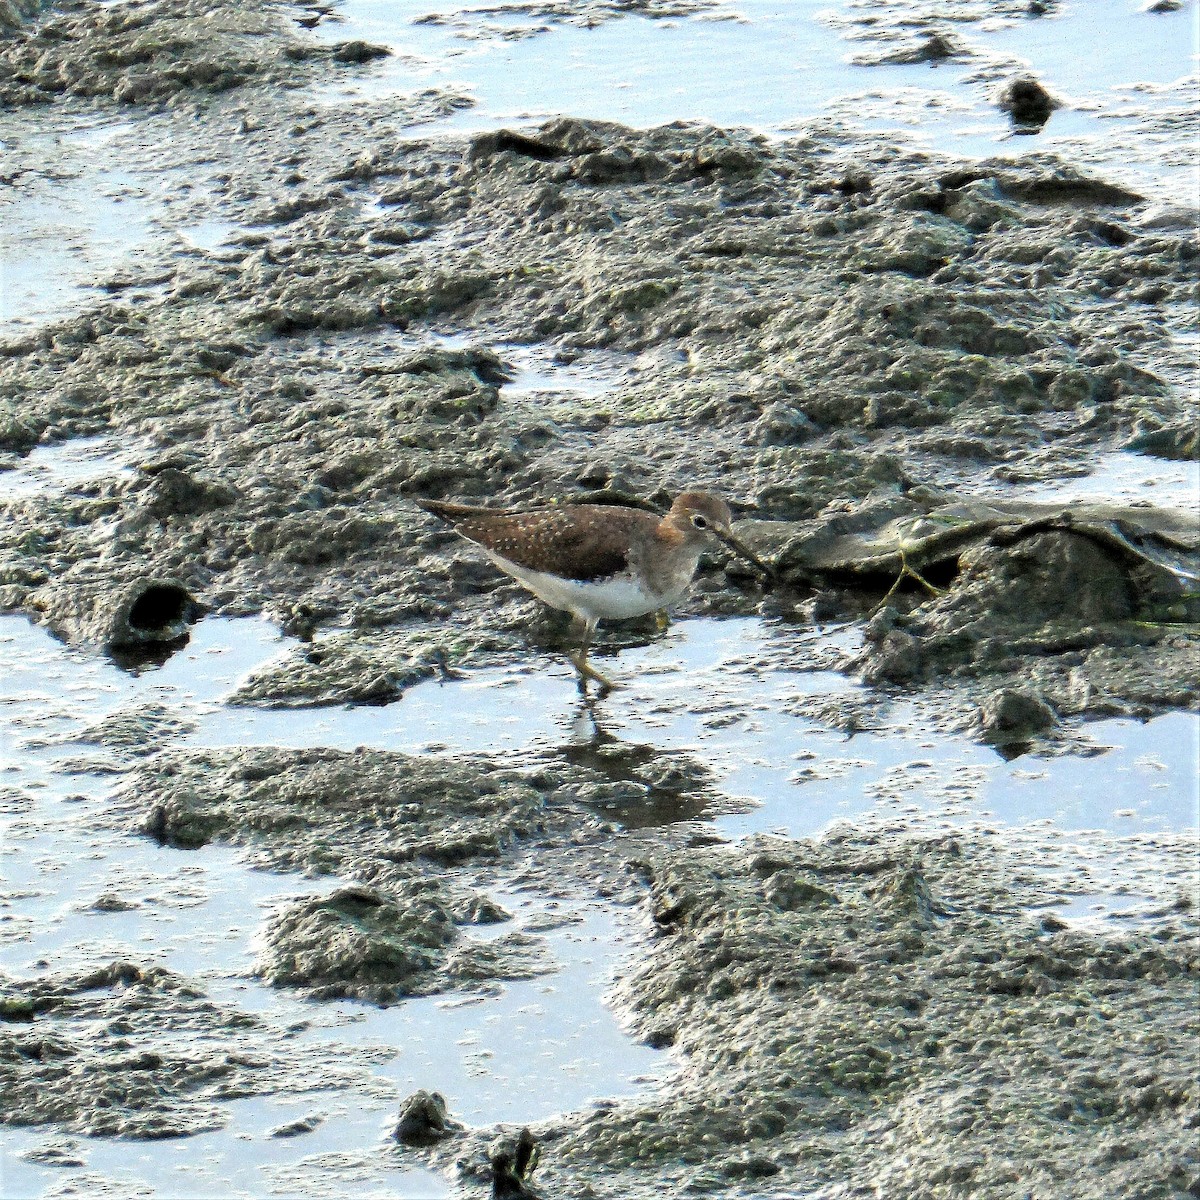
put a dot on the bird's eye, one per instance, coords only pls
(700, 522)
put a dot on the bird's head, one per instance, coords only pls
(701, 517)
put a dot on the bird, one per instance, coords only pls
(599, 562)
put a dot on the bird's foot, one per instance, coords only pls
(587, 671)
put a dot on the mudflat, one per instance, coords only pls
(894, 363)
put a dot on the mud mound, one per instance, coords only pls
(135, 1052)
(855, 1015)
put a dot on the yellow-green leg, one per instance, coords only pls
(581, 664)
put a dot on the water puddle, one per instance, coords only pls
(61, 227)
(736, 694)
(62, 467)
(1122, 477)
(1119, 477)
(537, 370)
(246, 1160)
(84, 203)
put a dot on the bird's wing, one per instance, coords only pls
(577, 541)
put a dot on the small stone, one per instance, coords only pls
(1027, 101)
(1012, 715)
(358, 52)
(111, 902)
(298, 1127)
(424, 1120)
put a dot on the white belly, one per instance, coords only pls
(614, 599)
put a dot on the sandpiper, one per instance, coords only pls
(598, 561)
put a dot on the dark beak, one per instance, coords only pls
(744, 552)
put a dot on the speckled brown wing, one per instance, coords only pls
(576, 541)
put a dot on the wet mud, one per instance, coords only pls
(125, 1051)
(877, 353)
(862, 1015)
(293, 421)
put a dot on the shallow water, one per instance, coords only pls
(86, 194)
(736, 694)
(1113, 477)
(521, 1052)
(1120, 72)
(732, 693)
(1125, 477)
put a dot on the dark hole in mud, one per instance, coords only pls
(159, 607)
(1111, 234)
(155, 627)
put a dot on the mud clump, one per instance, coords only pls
(132, 1051)
(1027, 102)
(1027, 592)
(1092, 606)
(358, 942)
(935, 47)
(1173, 441)
(383, 945)
(1012, 717)
(154, 52)
(813, 1036)
(369, 814)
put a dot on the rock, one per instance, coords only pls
(1027, 101)
(424, 1120)
(1011, 715)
